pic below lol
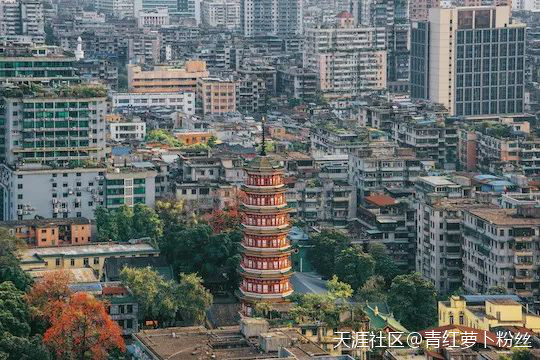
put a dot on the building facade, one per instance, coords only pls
(271, 17)
(266, 251)
(22, 18)
(473, 61)
(216, 96)
(182, 101)
(166, 79)
(221, 13)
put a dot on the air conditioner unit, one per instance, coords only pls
(70, 192)
(19, 212)
(55, 210)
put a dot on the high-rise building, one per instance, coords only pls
(271, 17)
(470, 60)
(119, 8)
(36, 64)
(393, 16)
(54, 127)
(216, 96)
(171, 5)
(190, 9)
(22, 18)
(349, 60)
(221, 13)
(266, 254)
(419, 9)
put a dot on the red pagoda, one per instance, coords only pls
(266, 250)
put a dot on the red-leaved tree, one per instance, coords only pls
(81, 329)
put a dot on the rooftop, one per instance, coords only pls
(380, 200)
(73, 91)
(45, 222)
(504, 217)
(33, 254)
(436, 180)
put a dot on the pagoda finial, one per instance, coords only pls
(263, 144)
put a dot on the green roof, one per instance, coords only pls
(263, 163)
(381, 317)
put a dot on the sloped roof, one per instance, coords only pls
(263, 163)
(380, 200)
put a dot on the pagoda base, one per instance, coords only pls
(279, 303)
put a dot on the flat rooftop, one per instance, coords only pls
(437, 180)
(97, 249)
(504, 217)
(45, 222)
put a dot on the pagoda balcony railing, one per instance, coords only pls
(266, 271)
(266, 248)
(271, 227)
(267, 295)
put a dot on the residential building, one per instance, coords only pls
(469, 59)
(22, 18)
(130, 186)
(122, 307)
(330, 140)
(36, 64)
(326, 197)
(104, 70)
(182, 101)
(32, 190)
(144, 48)
(500, 248)
(381, 166)
(487, 313)
(276, 17)
(390, 222)
(439, 206)
(431, 137)
(154, 18)
(250, 94)
(216, 96)
(296, 83)
(349, 59)
(119, 8)
(191, 137)
(190, 9)
(419, 9)
(81, 256)
(221, 13)
(122, 130)
(50, 232)
(166, 79)
(54, 126)
(171, 5)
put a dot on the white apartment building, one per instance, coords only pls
(438, 204)
(22, 19)
(271, 17)
(221, 13)
(154, 18)
(349, 60)
(119, 8)
(127, 130)
(501, 248)
(184, 101)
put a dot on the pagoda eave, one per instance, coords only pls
(265, 274)
(256, 297)
(265, 210)
(264, 189)
(265, 252)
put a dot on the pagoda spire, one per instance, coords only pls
(263, 144)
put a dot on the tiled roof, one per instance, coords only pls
(380, 200)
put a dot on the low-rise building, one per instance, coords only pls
(127, 129)
(130, 186)
(122, 307)
(216, 96)
(166, 79)
(183, 101)
(487, 312)
(154, 18)
(50, 232)
(81, 256)
(190, 137)
(297, 83)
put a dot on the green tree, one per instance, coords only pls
(338, 289)
(106, 225)
(194, 299)
(373, 290)
(212, 141)
(326, 246)
(154, 294)
(123, 219)
(354, 266)
(146, 223)
(15, 330)
(10, 269)
(384, 263)
(413, 301)
(166, 301)
(164, 137)
(521, 354)
(497, 290)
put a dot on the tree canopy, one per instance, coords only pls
(165, 300)
(413, 301)
(82, 329)
(124, 223)
(354, 266)
(10, 269)
(326, 247)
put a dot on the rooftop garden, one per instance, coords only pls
(72, 91)
(495, 129)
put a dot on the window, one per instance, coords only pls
(129, 309)
(72, 262)
(96, 260)
(85, 261)
(121, 309)
(57, 262)
(129, 323)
